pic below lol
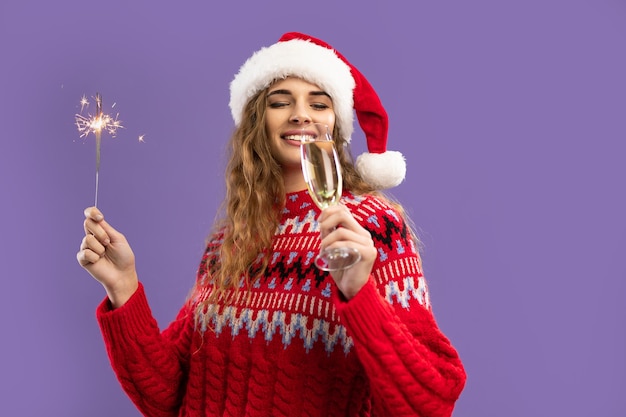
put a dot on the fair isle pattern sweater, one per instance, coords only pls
(295, 347)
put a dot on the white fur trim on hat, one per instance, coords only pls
(302, 59)
(382, 170)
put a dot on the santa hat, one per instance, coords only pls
(313, 60)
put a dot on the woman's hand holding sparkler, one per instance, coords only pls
(107, 256)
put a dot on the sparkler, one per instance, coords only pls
(96, 124)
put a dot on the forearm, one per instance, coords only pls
(146, 364)
(118, 295)
(412, 367)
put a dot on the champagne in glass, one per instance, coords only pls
(322, 174)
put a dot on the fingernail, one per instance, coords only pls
(106, 242)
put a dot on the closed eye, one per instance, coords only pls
(278, 104)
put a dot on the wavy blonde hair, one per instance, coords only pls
(255, 196)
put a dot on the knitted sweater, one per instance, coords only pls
(296, 347)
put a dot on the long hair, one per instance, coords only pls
(255, 196)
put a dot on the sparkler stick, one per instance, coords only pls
(98, 132)
(95, 124)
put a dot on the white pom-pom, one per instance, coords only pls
(382, 170)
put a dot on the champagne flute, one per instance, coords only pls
(322, 174)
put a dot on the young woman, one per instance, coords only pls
(265, 332)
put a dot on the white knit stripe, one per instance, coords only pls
(292, 243)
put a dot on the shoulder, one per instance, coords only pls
(214, 242)
(369, 209)
(213, 245)
(397, 270)
(386, 222)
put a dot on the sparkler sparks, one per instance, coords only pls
(83, 102)
(96, 124)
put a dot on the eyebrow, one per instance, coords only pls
(287, 92)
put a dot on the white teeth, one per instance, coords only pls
(299, 137)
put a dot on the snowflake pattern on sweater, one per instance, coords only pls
(293, 299)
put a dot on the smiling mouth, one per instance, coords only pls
(299, 137)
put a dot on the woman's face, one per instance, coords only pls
(291, 104)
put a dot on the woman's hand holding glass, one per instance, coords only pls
(339, 229)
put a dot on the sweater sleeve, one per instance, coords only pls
(151, 366)
(412, 367)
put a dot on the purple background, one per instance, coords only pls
(511, 117)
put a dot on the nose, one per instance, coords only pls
(300, 115)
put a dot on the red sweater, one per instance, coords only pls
(297, 348)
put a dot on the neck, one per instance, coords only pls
(293, 180)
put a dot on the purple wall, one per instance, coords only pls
(511, 117)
